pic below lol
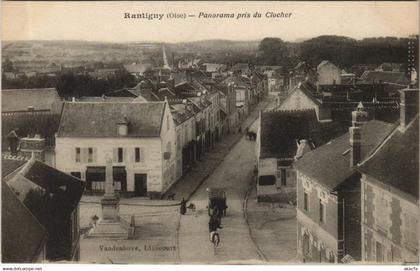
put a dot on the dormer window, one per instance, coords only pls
(122, 126)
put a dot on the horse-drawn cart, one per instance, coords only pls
(217, 201)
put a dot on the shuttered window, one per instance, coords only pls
(137, 156)
(305, 201)
(78, 155)
(90, 155)
(118, 155)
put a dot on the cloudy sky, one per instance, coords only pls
(104, 21)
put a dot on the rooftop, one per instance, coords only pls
(100, 119)
(329, 164)
(396, 163)
(65, 189)
(376, 77)
(280, 131)
(20, 99)
(22, 235)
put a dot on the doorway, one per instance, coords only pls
(140, 185)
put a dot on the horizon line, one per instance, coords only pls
(297, 40)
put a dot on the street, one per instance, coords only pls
(234, 175)
(252, 232)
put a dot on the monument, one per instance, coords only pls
(109, 224)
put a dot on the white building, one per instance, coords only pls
(328, 73)
(139, 137)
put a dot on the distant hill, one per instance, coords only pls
(343, 51)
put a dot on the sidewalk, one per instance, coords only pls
(87, 199)
(273, 229)
(187, 185)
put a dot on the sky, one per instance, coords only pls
(104, 21)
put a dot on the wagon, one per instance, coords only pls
(217, 200)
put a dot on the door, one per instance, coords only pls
(120, 178)
(140, 185)
(379, 253)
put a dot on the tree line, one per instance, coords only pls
(343, 51)
(70, 84)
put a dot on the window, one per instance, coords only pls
(120, 155)
(381, 212)
(78, 155)
(322, 214)
(305, 201)
(95, 178)
(137, 155)
(283, 176)
(167, 122)
(267, 180)
(90, 155)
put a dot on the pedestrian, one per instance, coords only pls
(214, 224)
(183, 208)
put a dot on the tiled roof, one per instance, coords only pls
(280, 130)
(213, 67)
(22, 235)
(20, 99)
(396, 163)
(356, 92)
(65, 189)
(100, 119)
(180, 113)
(240, 66)
(371, 77)
(125, 92)
(201, 102)
(237, 80)
(329, 164)
(105, 99)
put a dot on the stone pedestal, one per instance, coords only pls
(110, 208)
(109, 225)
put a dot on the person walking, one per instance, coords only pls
(183, 207)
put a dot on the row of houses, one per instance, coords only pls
(357, 195)
(154, 132)
(355, 180)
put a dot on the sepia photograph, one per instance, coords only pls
(210, 133)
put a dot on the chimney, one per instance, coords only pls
(408, 106)
(358, 118)
(302, 148)
(122, 126)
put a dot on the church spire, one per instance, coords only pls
(165, 59)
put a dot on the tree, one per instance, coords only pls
(8, 65)
(274, 51)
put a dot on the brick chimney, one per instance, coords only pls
(358, 118)
(408, 106)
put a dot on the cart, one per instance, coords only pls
(217, 200)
